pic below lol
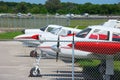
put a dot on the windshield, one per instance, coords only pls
(55, 30)
(43, 28)
(49, 29)
(83, 33)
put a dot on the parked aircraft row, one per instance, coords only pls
(30, 35)
(97, 42)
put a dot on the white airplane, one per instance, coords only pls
(31, 35)
(32, 40)
(94, 42)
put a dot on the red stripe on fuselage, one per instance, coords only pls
(98, 47)
(24, 38)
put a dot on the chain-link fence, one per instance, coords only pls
(17, 22)
(36, 21)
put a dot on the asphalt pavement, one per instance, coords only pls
(15, 64)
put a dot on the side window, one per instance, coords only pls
(49, 29)
(55, 31)
(69, 32)
(63, 32)
(115, 36)
(99, 35)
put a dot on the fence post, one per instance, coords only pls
(73, 58)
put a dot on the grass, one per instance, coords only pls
(83, 23)
(89, 62)
(9, 35)
(90, 68)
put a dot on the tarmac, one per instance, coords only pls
(15, 64)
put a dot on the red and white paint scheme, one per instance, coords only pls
(95, 42)
(51, 32)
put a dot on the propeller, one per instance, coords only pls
(58, 44)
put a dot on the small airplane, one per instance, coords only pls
(52, 31)
(94, 42)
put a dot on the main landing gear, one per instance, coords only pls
(33, 53)
(106, 68)
(102, 67)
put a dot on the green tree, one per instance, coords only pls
(35, 10)
(53, 5)
(22, 7)
(43, 10)
(4, 8)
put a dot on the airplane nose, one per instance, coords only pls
(19, 37)
(16, 38)
(35, 37)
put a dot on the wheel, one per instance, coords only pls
(34, 72)
(102, 69)
(33, 53)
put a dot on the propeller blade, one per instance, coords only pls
(57, 53)
(58, 42)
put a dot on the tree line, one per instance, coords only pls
(56, 6)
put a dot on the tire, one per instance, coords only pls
(33, 53)
(102, 69)
(34, 72)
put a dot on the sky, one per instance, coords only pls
(74, 1)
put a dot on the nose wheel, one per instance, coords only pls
(34, 72)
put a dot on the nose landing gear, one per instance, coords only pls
(35, 72)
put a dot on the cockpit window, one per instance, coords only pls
(63, 32)
(69, 32)
(55, 31)
(49, 29)
(43, 28)
(83, 33)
